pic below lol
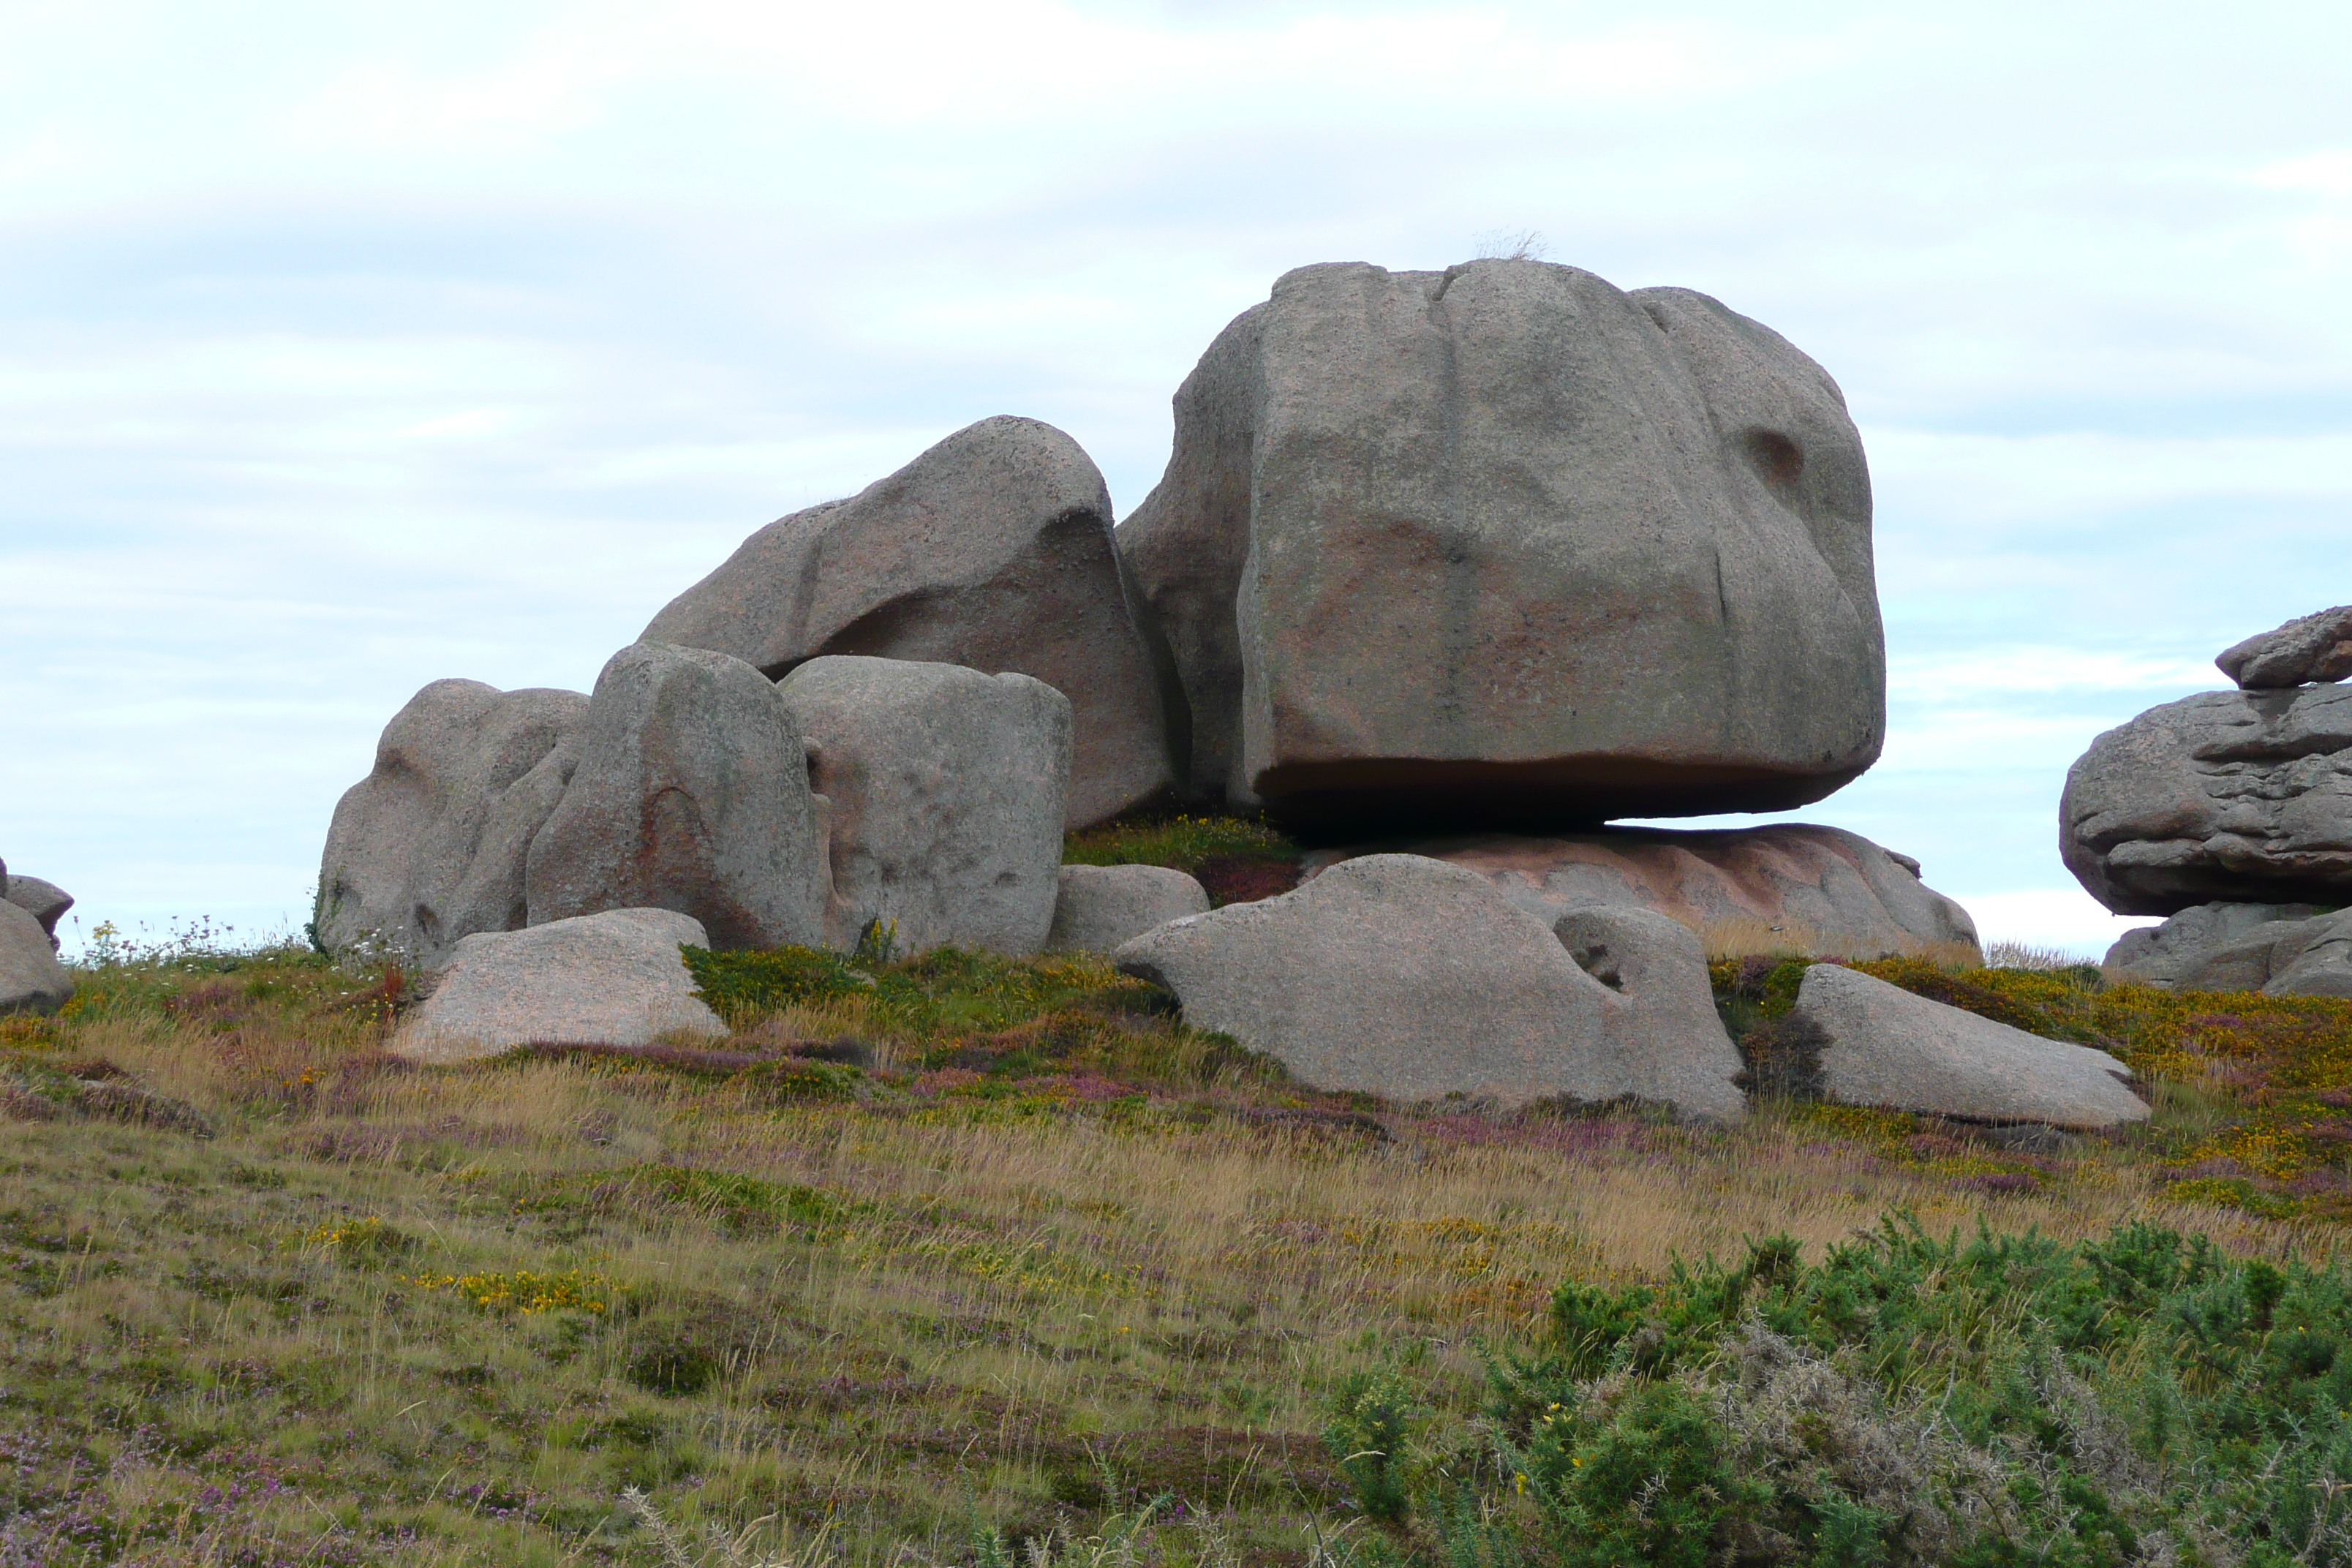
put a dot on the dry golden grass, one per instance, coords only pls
(956, 1304)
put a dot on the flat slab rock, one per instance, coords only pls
(1885, 1047)
(610, 979)
(2310, 647)
(1409, 978)
(1816, 890)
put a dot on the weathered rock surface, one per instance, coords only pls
(45, 902)
(1402, 976)
(1885, 1046)
(1101, 907)
(993, 551)
(610, 979)
(429, 847)
(691, 793)
(1818, 890)
(1503, 546)
(947, 790)
(2312, 648)
(2286, 950)
(2243, 796)
(31, 978)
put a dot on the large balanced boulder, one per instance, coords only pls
(690, 792)
(1788, 887)
(2286, 950)
(2310, 647)
(2243, 796)
(429, 847)
(31, 978)
(1406, 977)
(1101, 907)
(1881, 1046)
(610, 979)
(45, 902)
(946, 789)
(1504, 546)
(993, 549)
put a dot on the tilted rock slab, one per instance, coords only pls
(1503, 546)
(1818, 890)
(1885, 1046)
(2283, 950)
(691, 793)
(31, 978)
(2311, 647)
(2237, 796)
(609, 979)
(430, 846)
(993, 551)
(1406, 977)
(946, 788)
(45, 902)
(1101, 907)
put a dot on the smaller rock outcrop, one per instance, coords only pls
(1882, 1046)
(611, 979)
(1788, 886)
(2230, 795)
(31, 978)
(430, 846)
(690, 792)
(946, 788)
(45, 902)
(1101, 907)
(993, 549)
(1406, 977)
(2311, 647)
(2284, 949)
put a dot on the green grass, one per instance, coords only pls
(1182, 842)
(981, 1252)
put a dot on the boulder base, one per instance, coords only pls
(946, 788)
(1794, 887)
(1101, 907)
(1503, 547)
(1406, 977)
(609, 979)
(2283, 950)
(2239, 797)
(993, 551)
(1885, 1047)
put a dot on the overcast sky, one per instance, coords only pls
(344, 348)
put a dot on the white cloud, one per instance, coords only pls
(2066, 919)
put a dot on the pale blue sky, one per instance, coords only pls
(346, 348)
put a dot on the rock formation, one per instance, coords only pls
(31, 978)
(610, 979)
(993, 549)
(1101, 907)
(2311, 647)
(2233, 795)
(1504, 546)
(1788, 886)
(2286, 950)
(946, 789)
(691, 793)
(45, 902)
(1402, 976)
(429, 847)
(1882, 1046)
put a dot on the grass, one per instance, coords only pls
(978, 1254)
